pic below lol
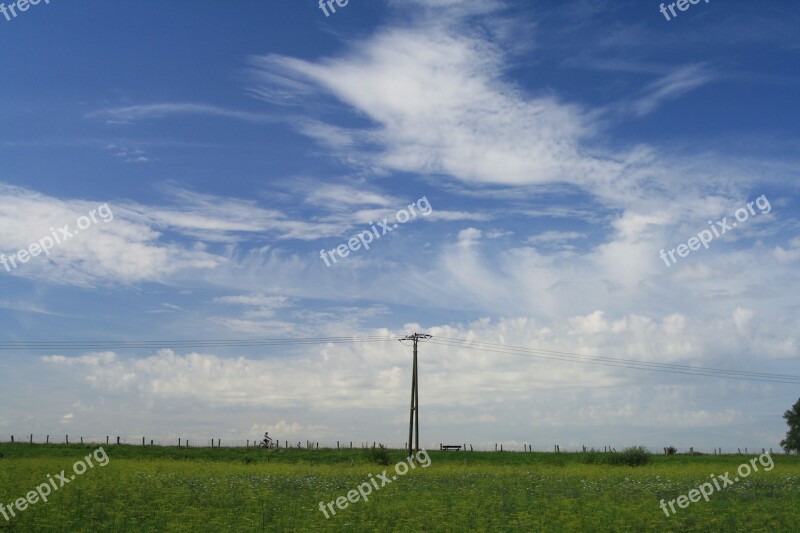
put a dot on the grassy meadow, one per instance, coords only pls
(197, 489)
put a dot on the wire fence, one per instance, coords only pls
(500, 447)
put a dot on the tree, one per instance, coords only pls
(792, 440)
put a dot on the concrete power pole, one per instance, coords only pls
(413, 424)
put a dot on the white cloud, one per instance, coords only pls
(259, 300)
(464, 390)
(129, 155)
(122, 249)
(130, 114)
(452, 216)
(673, 85)
(549, 237)
(789, 254)
(435, 97)
(346, 196)
(469, 235)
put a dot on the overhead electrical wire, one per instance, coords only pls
(616, 362)
(95, 345)
(441, 341)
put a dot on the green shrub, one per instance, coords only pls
(378, 455)
(633, 456)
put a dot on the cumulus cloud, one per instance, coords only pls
(462, 388)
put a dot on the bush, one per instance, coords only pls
(672, 450)
(633, 456)
(378, 455)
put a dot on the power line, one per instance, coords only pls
(572, 354)
(210, 343)
(442, 341)
(616, 362)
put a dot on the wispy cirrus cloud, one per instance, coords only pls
(131, 114)
(672, 86)
(551, 237)
(438, 107)
(122, 250)
(128, 155)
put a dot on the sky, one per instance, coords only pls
(589, 177)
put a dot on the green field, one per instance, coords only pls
(179, 489)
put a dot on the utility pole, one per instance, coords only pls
(413, 424)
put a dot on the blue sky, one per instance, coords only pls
(560, 147)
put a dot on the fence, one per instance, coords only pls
(511, 447)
